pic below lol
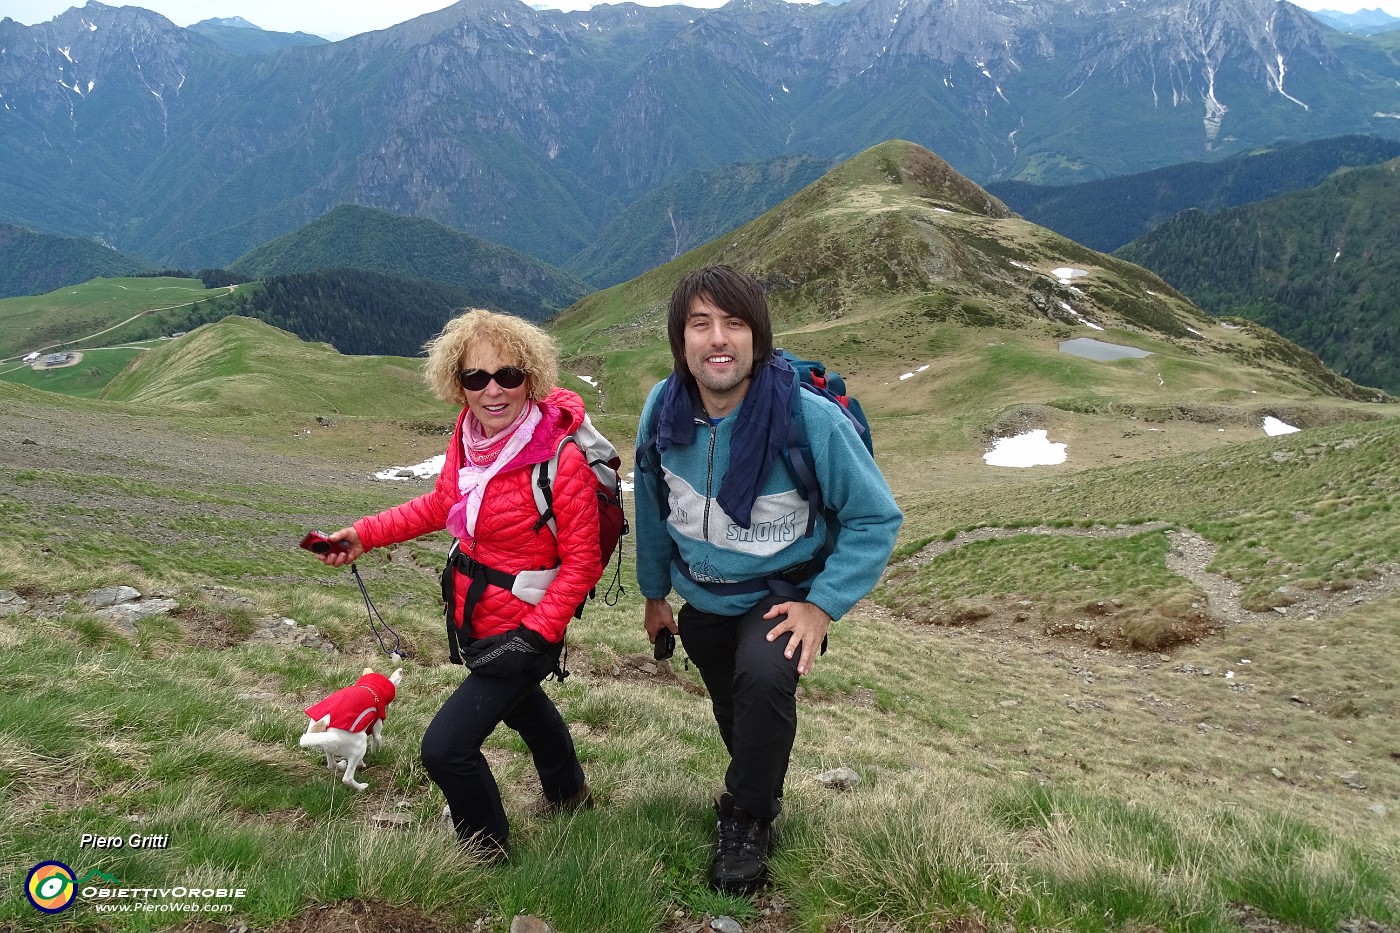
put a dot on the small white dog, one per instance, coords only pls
(347, 723)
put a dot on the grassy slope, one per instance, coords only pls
(244, 366)
(1117, 809)
(63, 316)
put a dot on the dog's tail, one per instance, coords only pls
(316, 734)
(317, 740)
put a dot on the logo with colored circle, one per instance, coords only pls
(50, 887)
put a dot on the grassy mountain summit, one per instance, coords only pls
(373, 240)
(892, 261)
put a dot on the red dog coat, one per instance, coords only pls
(359, 706)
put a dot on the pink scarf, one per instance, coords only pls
(483, 457)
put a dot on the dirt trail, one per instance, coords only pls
(1191, 554)
(1190, 557)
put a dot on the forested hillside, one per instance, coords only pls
(32, 263)
(357, 312)
(1109, 213)
(354, 237)
(1320, 267)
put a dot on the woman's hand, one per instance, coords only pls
(338, 558)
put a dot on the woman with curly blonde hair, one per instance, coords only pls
(510, 587)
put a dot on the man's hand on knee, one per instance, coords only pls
(808, 624)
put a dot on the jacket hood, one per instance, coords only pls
(562, 412)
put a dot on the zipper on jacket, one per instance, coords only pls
(709, 476)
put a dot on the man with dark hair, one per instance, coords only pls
(722, 520)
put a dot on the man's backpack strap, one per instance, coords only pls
(798, 451)
(648, 458)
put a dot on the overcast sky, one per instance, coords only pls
(340, 18)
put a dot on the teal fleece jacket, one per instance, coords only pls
(693, 527)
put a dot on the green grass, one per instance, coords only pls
(87, 379)
(1061, 571)
(199, 745)
(63, 317)
(1310, 510)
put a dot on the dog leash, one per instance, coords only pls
(396, 653)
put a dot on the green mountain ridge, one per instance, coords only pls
(1111, 212)
(372, 240)
(32, 263)
(240, 366)
(1318, 266)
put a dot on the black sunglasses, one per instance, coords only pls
(507, 377)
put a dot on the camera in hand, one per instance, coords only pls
(318, 542)
(665, 645)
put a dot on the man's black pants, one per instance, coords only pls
(753, 690)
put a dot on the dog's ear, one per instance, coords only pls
(320, 725)
(395, 677)
(368, 670)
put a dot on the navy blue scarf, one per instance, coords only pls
(759, 434)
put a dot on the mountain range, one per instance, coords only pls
(1319, 266)
(1360, 22)
(535, 128)
(1109, 213)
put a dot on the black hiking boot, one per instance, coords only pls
(742, 844)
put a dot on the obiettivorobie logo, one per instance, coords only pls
(51, 886)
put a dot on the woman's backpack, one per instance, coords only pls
(603, 459)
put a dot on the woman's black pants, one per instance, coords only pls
(452, 750)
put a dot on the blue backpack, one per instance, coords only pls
(829, 384)
(814, 377)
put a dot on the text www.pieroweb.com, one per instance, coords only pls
(148, 908)
(177, 900)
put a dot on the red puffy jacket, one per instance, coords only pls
(506, 538)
